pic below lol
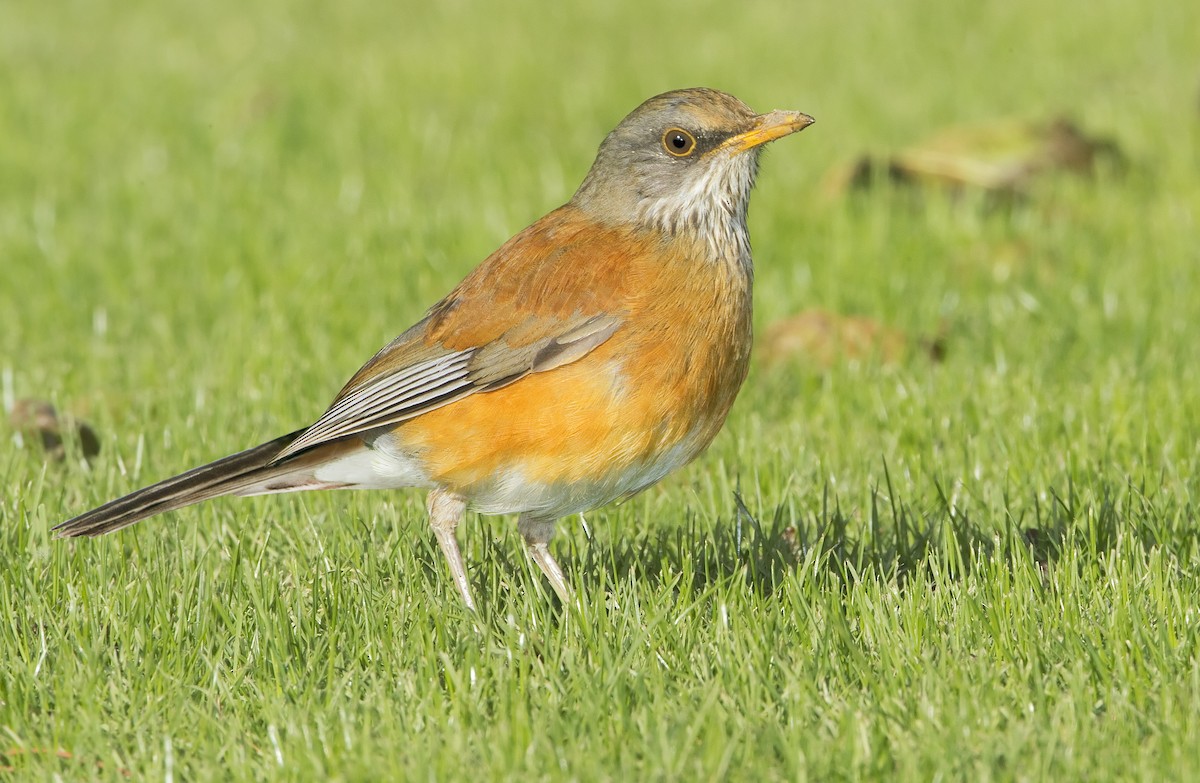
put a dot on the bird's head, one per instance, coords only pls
(684, 162)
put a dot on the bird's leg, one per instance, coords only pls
(537, 534)
(446, 510)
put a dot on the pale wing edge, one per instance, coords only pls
(388, 400)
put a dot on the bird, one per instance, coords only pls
(592, 354)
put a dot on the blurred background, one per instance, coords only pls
(977, 307)
(219, 201)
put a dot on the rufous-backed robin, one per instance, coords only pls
(592, 354)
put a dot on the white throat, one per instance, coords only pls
(713, 205)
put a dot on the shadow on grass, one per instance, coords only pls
(899, 540)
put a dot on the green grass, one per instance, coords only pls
(983, 569)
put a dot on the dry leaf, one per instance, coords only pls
(39, 421)
(999, 157)
(826, 338)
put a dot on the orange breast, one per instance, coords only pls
(657, 390)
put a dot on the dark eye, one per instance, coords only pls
(678, 142)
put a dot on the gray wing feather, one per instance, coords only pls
(390, 399)
(427, 385)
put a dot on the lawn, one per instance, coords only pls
(978, 566)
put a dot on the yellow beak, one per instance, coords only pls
(768, 127)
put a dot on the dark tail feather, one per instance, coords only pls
(227, 476)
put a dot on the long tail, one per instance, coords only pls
(249, 472)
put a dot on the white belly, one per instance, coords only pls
(383, 466)
(508, 491)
